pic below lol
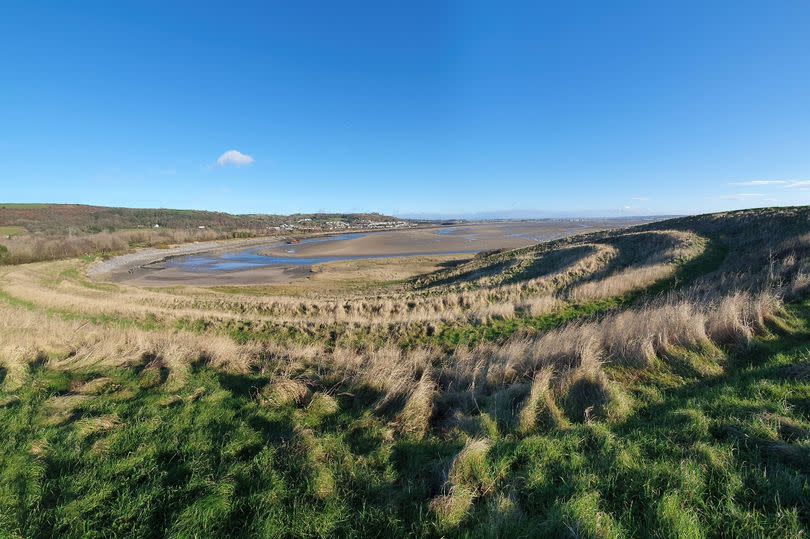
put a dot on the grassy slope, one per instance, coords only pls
(724, 453)
(448, 336)
(713, 445)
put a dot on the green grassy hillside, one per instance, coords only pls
(650, 382)
(118, 453)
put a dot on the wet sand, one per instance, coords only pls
(157, 275)
(269, 261)
(471, 238)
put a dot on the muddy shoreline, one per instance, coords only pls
(272, 260)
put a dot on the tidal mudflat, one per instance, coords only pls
(282, 262)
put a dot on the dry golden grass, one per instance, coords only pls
(53, 315)
(414, 420)
(284, 391)
(563, 367)
(620, 283)
(566, 366)
(32, 248)
(540, 409)
(60, 287)
(28, 336)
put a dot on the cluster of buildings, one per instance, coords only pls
(384, 224)
(306, 224)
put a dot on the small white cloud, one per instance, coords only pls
(799, 184)
(761, 182)
(640, 199)
(234, 158)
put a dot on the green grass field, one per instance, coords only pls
(114, 452)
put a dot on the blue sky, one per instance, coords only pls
(417, 107)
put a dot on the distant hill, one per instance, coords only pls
(77, 218)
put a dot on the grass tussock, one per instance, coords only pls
(284, 392)
(540, 411)
(414, 419)
(468, 478)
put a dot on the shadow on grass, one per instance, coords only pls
(242, 385)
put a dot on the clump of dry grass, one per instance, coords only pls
(736, 318)
(540, 408)
(322, 405)
(14, 360)
(95, 386)
(637, 337)
(91, 426)
(799, 285)
(540, 305)
(414, 419)
(451, 508)
(489, 366)
(467, 478)
(284, 392)
(566, 365)
(29, 336)
(403, 379)
(620, 283)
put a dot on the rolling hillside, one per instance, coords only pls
(652, 381)
(60, 218)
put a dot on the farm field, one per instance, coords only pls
(613, 383)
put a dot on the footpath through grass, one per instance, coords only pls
(147, 453)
